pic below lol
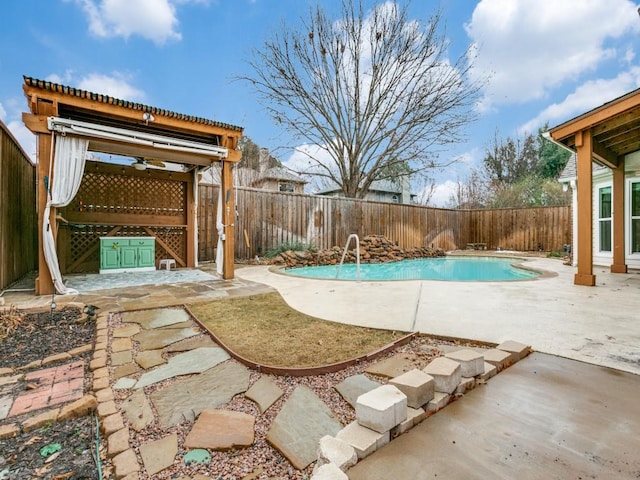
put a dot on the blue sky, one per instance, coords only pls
(548, 60)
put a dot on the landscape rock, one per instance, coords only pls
(221, 430)
(185, 399)
(159, 454)
(301, 423)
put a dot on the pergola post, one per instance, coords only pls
(618, 265)
(228, 219)
(584, 147)
(44, 283)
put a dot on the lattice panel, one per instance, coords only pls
(81, 240)
(110, 193)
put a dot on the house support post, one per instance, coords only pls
(618, 265)
(228, 219)
(584, 147)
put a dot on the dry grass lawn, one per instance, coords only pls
(264, 329)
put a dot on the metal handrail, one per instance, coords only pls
(344, 253)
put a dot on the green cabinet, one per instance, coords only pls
(120, 254)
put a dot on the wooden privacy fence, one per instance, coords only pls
(18, 218)
(266, 220)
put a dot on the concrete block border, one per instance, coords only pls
(366, 441)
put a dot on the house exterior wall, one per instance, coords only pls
(603, 179)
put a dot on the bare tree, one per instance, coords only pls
(374, 91)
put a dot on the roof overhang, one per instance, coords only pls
(614, 127)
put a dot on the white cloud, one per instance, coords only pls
(116, 85)
(587, 96)
(530, 46)
(3, 112)
(443, 193)
(154, 20)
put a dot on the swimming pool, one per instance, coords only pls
(461, 269)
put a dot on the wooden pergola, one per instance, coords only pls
(143, 126)
(605, 135)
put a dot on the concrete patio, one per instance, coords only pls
(599, 325)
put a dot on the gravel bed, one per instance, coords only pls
(261, 459)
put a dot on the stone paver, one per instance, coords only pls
(79, 408)
(45, 418)
(126, 330)
(118, 442)
(302, 422)
(8, 431)
(121, 345)
(161, 337)
(124, 371)
(111, 424)
(157, 317)
(150, 358)
(194, 361)
(264, 393)
(137, 410)
(354, 386)
(125, 463)
(396, 365)
(120, 358)
(124, 383)
(221, 430)
(190, 343)
(159, 454)
(5, 405)
(185, 399)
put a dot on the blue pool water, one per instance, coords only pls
(462, 269)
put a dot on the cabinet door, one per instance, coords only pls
(146, 256)
(109, 258)
(128, 257)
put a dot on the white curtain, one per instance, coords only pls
(196, 174)
(220, 228)
(68, 168)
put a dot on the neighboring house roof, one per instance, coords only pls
(279, 173)
(101, 98)
(570, 173)
(385, 186)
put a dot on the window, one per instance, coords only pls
(635, 217)
(286, 187)
(394, 199)
(604, 218)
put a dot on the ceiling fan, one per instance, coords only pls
(142, 163)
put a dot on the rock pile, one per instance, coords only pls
(373, 249)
